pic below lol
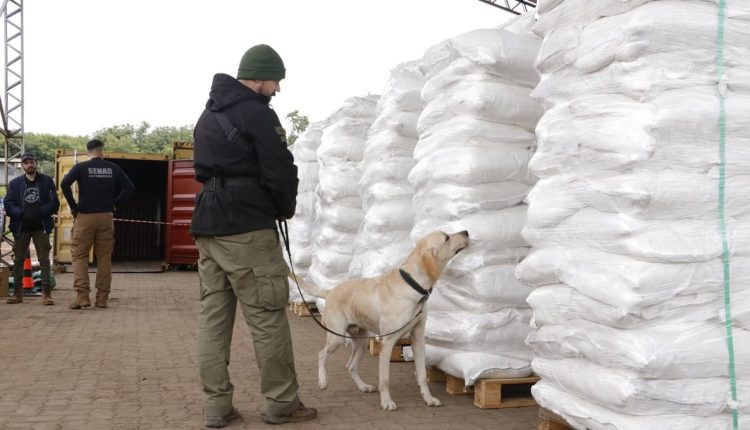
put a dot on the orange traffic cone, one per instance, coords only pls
(28, 280)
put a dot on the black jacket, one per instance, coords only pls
(102, 186)
(248, 184)
(14, 202)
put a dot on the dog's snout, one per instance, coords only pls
(465, 233)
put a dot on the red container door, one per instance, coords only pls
(182, 188)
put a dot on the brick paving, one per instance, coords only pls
(132, 366)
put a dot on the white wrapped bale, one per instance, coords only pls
(383, 239)
(471, 173)
(301, 226)
(632, 268)
(339, 205)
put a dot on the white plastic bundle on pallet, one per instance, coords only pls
(642, 157)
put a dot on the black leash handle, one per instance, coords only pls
(284, 231)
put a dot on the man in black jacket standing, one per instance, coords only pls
(249, 182)
(30, 202)
(102, 186)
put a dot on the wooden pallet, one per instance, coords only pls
(397, 353)
(549, 420)
(504, 393)
(300, 309)
(493, 393)
(453, 385)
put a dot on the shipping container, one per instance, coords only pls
(182, 150)
(180, 246)
(139, 223)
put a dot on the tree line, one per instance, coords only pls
(141, 138)
(118, 138)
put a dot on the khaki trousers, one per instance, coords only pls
(95, 230)
(247, 268)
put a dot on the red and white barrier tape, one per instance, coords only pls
(129, 220)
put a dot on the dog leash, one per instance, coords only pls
(284, 231)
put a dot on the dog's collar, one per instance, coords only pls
(415, 285)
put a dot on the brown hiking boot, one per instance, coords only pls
(101, 299)
(222, 421)
(82, 301)
(302, 413)
(13, 300)
(47, 296)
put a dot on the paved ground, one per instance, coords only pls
(132, 366)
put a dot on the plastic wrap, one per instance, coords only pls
(471, 173)
(301, 226)
(452, 201)
(583, 414)
(638, 223)
(473, 365)
(634, 395)
(339, 205)
(382, 240)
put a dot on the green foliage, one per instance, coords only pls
(118, 138)
(160, 139)
(299, 125)
(122, 138)
(45, 145)
(140, 139)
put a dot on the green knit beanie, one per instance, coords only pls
(261, 62)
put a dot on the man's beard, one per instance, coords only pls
(30, 170)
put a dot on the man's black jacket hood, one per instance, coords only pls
(227, 91)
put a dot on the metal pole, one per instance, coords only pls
(11, 104)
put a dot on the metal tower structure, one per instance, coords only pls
(11, 104)
(12, 101)
(516, 7)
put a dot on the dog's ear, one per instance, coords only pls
(430, 265)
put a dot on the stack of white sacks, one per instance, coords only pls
(629, 307)
(383, 239)
(338, 211)
(471, 173)
(301, 226)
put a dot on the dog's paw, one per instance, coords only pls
(388, 405)
(322, 385)
(432, 401)
(367, 388)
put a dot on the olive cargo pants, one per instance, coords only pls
(248, 268)
(20, 249)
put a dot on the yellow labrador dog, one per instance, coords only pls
(387, 304)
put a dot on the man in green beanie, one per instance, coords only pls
(249, 182)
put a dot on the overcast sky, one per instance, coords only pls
(91, 64)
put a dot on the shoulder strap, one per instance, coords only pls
(230, 131)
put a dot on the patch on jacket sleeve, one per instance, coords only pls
(282, 134)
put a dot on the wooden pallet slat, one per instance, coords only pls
(453, 385)
(397, 353)
(504, 393)
(549, 420)
(489, 393)
(435, 375)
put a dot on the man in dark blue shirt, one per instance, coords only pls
(30, 202)
(102, 186)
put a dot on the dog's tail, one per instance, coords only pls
(308, 287)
